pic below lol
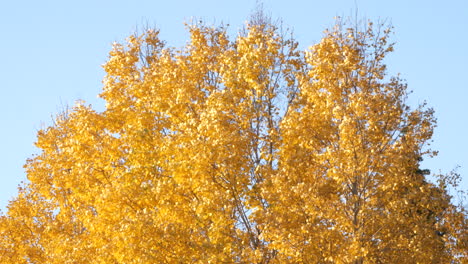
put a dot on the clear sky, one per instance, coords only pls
(51, 54)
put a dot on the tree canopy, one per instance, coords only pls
(239, 150)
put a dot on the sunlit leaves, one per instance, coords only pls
(240, 150)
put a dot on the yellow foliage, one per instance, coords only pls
(238, 151)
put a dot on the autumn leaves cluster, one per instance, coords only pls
(239, 150)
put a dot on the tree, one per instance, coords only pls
(239, 151)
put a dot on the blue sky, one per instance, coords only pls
(51, 54)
